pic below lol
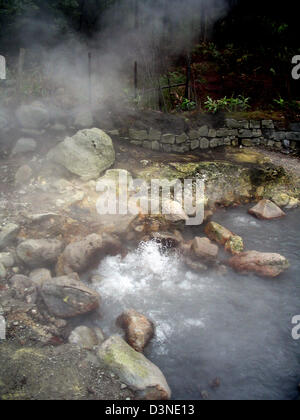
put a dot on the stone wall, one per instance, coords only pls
(247, 133)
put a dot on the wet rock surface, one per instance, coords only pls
(205, 249)
(139, 330)
(264, 264)
(267, 210)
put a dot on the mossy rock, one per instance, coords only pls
(134, 369)
(235, 245)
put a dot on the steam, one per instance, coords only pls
(151, 34)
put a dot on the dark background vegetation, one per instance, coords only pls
(248, 51)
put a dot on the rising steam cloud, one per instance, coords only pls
(150, 32)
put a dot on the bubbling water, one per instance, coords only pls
(214, 325)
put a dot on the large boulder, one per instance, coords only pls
(139, 330)
(205, 249)
(87, 154)
(134, 369)
(66, 297)
(39, 252)
(267, 210)
(34, 116)
(263, 264)
(78, 255)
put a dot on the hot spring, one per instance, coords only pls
(214, 324)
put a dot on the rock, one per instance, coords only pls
(173, 211)
(235, 245)
(137, 372)
(84, 337)
(232, 243)
(40, 276)
(7, 259)
(263, 264)
(33, 116)
(217, 233)
(52, 373)
(8, 234)
(2, 271)
(195, 265)
(24, 288)
(293, 203)
(67, 298)
(23, 174)
(111, 245)
(38, 252)
(78, 255)
(281, 199)
(87, 154)
(205, 249)
(167, 239)
(267, 210)
(139, 330)
(24, 145)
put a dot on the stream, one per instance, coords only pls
(215, 325)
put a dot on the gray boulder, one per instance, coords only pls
(137, 372)
(66, 297)
(24, 145)
(38, 252)
(34, 116)
(87, 154)
(7, 259)
(8, 234)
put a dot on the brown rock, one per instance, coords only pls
(267, 210)
(78, 255)
(263, 264)
(139, 330)
(205, 249)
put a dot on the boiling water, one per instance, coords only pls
(213, 325)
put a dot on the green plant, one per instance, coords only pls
(186, 105)
(281, 103)
(286, 106)
(232, 104)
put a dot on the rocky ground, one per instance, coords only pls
(51, 233)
